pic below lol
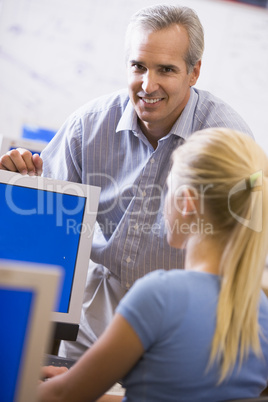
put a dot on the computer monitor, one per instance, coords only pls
(50, 222)
(37, 133)
(27, 298)
(7, 144)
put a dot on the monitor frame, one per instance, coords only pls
(67, 324)
(8, 143)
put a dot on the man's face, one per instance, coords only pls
(159, 86)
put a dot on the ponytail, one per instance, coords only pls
(242, 264)
(234, 169)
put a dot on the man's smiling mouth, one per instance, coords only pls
(148, 100)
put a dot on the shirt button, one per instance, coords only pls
(108, 274)
(144, 193)
(128, 259)
(152, 160)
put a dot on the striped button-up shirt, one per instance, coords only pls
(102, 144)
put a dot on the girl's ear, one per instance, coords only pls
(189, 202)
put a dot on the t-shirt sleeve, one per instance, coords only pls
(143, 306)
(149, 302)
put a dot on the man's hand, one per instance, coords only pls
(22, 161)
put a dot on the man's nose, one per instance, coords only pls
(150, 82)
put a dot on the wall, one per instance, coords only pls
(57, 54)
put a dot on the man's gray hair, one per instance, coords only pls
(159, 17)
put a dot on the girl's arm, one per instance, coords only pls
(110, 398)
(108, 360)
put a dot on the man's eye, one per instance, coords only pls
(167, 70)
(138, 67)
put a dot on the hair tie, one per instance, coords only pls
(255, 179)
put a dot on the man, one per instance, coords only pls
(123, 144)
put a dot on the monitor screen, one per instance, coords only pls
(17, 312)
(50, 222)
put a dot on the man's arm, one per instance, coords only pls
(22, 161)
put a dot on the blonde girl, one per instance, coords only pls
(199, 334)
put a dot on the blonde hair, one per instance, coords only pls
(234, 170)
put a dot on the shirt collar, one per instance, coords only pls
(128, 120)
(182, 127)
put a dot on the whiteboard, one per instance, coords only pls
(55, 55)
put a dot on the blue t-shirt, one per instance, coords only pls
(174, 315)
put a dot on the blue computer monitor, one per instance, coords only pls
(50, 222)
(27, 298)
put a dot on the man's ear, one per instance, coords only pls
(189, 202)
(195, 73)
